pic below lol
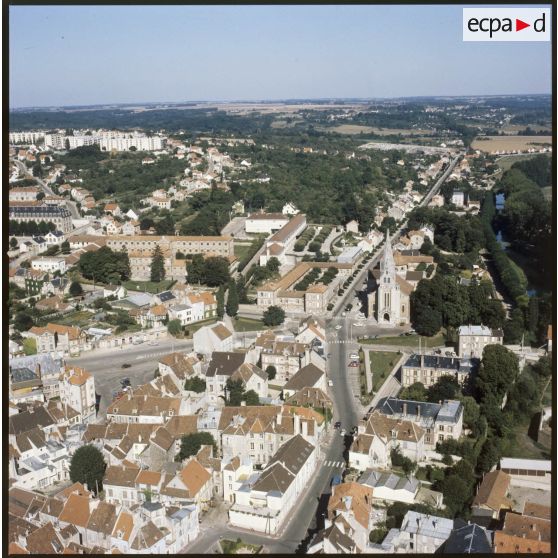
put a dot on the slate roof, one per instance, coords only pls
(224, 363)
(468, 539)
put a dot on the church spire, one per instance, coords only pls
(387, 263)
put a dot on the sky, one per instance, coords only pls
(81, 55)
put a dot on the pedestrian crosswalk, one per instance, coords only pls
(341, 341)
(334, 464)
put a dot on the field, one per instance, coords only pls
(381, 363)
(148, 286)
(510, 143)
(407, 341)
(514, 128)
(357, 129)
(506, 162)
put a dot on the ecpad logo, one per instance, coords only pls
(506, 24)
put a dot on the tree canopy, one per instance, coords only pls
(88, 467)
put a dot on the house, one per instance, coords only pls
(257, 432)
(350, 507)
(491, 497)
(155, 316)
(54, 237)
(222, 366)
(420, 534)
(309, 376)
(265, 499)
(49, 264)
(473, 339)
(440, 421)
(77, 389)
(352, 227)
(285, 355)
(56, 337)
(145, 409)
(289, 209)
(182, 366)
(458, 198)
(533, 472)
(209, 339)
(311, 397)
(428, 369)
(265, 223)
(371, 448)
(252, 378)
(195, 481)
(390, 487)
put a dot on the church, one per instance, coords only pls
(396, 278)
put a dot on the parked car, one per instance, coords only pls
(330, 383)
(338, 326)
(337, 424)
(125, 381)
(343, 432)
(353, 356)
(126, 365)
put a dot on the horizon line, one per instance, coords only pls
(280, 100)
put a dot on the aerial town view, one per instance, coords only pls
(280, 281)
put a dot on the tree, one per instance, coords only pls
(456, 493)
(65, 247)
(497, 372)
(195, 384)
(251, 397)
(220, 298)
(76, 289)
(67, 144)
(216, 271)
(489, 455)
(414, 392)
(190, 444)
(273, 265)
(23, 321)
(274, 316)
(105, 265)
(399, 460)
(157, 265)
(88, 467)
(174, 327)
(232, 300)
(271, 372)
(446, 387)
(13, 243)
(235, 392)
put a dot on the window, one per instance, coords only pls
(252, 445)
(441, 428)
(441, 437)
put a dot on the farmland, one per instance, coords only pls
(492, 144)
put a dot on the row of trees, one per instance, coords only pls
(30, 228)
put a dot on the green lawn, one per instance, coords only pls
(240, 250)
(248, 324)
(522, 446)
(149, 286)
(382, 363)
(407, 341)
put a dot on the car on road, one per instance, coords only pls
(337, 424)
(125, 382)
(343, 314)
(353, 356)
(448, 353)
(408, 333)
(330, 383)
(343, 432)
(126, 365)
(356, 324)
(353, 364)
(153, 343)
(338, 326)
